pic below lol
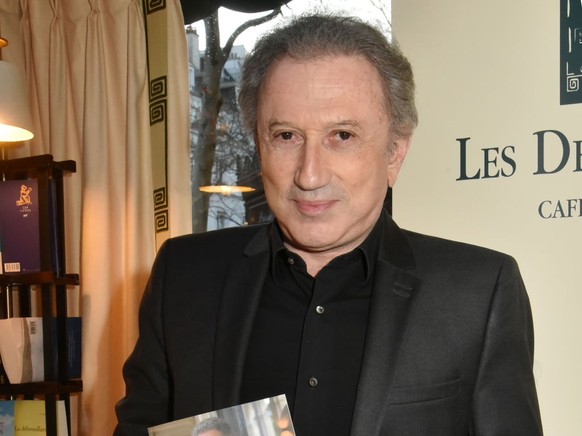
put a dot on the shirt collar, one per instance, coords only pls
(368, 249)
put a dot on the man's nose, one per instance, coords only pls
(313, 167)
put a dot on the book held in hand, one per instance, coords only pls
(266, 417)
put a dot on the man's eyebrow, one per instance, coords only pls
(353, 124)
(277, 123)
(346, 123)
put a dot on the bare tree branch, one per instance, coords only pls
(247, 25)
(380, 5)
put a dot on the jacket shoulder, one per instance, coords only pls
(436, 250)
(218, 244)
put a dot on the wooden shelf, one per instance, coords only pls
(38, 278)
(52, 281)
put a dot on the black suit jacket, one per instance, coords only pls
(448, 352)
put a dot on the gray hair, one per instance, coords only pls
(319, 35)
(213, 423)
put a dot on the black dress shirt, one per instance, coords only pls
(308, 336)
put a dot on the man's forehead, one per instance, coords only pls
(330, 89)
(321, 74)
(354, 72)
(324, 60)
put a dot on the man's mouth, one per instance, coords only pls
(314, 208)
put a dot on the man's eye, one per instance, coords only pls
(286, 139)
(344, 136)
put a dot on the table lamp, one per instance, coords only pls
(15, 119)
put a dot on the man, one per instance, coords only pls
(368, 329)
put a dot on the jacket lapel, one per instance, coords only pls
(387, 325)
(240, 300)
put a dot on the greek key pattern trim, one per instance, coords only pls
(158, 88)
(160, 198)
(158, 111)
(154, 5)
(161, 221)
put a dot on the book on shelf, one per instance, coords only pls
(28, 417)
(19, 226)
(1, 262)
(73, 329)
(269, 416)
(6, 418)
(22, 351)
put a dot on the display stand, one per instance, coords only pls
(52, 280)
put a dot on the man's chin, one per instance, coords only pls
(314, 242)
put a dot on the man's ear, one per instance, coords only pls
(399, 148)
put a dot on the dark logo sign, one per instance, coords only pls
(570, 51)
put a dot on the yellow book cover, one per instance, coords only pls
(29, 418)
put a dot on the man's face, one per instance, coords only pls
(323, 135)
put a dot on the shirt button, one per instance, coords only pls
(290, 261)
(320, 310)
(313, 382)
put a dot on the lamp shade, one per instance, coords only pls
(225, 189)
(15, 120)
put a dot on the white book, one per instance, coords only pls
(21, 348)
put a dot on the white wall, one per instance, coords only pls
(490, 71)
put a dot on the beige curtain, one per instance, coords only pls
(86, 63)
